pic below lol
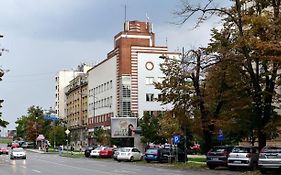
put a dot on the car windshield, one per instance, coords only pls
(18, 150)
(218, 149)
(125, 150)
(241, 150)
(272, 150)
(151, 151)
(98, 148)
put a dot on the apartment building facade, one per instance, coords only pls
(76, 109)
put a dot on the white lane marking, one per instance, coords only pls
(37, 171)
(23, 166)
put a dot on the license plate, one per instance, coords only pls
(149, 155)
(215, 158)
(236, 161)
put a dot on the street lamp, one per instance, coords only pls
(36, 129)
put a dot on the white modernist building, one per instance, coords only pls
(122, 84)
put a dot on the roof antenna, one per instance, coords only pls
(125, 17)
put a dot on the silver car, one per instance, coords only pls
(270, 158)
(17, 153)
(242, 156)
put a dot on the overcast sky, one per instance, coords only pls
(46, 36)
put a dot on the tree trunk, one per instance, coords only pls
(262, 139)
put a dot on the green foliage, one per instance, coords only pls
(3, 123)
(31, 125)
(102, 136)
(151, 129)
(57, 135)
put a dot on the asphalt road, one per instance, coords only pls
(47, 164)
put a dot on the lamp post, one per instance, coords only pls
(36, 130)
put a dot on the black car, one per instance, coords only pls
(218, 155)
(88, 150)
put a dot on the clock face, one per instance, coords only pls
(149, 65)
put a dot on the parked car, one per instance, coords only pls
(9, 144)
(116, 152)
(218, 155)
(88, 150)
(129, 154)
(96, 152)
(15, 145)
(270, 158)
(243, 157)
(4, 150)
(158, 154)
(17, 153)
(106, 152)
(28, 145)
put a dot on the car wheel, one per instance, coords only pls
(231, 168)
(132, 158)
(211, 167)
(148, 161)
(263, 171)
(118, 160)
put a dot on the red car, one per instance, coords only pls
(15, 145)
(4, 151)
(106, 152)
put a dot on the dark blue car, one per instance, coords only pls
(152, 154)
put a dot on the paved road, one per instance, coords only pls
(46, 164)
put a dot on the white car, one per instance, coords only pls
(18, 153)
(243, 157)
(129, 154)
(96, 152)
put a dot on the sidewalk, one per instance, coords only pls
(196, 156)
(35, 151)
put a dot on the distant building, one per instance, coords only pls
(122, 84)
(76, 107)
(62, 79)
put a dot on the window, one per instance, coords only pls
(149, 80)
(149, 97)
(160, 96)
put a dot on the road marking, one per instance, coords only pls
(23, 166)
(37, 171)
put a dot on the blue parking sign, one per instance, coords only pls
(176, 139)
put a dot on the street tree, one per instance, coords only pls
(3, 123)
(57, 135)
(184, 87)
(150, 125)
(31, 125)
(254, 30)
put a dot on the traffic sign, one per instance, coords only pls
(220, 135)
(67, 131)
(176, 139)
(51, 117)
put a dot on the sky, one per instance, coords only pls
(46, 36)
